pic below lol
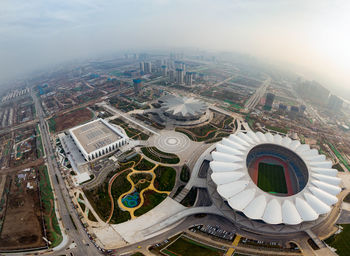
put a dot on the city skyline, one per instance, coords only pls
(309, 38)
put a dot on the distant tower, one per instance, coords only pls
(183, 66)
(282, 107)
(137, 85)
(179, 76)
(188, 78)
(172, 76)
(270, 97)
(335, 103)
(148, 67)
(142, 67)
(294, 111)
(164, 70)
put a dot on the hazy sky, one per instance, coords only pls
(311, 35)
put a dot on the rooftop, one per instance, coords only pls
(95, 135)
(183, 106)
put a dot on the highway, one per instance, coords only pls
(67, 213)
(259, 93)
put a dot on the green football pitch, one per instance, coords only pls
(271, 178)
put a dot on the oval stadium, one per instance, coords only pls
(271, 184)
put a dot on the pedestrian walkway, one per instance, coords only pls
(182, 195)
(231, 250)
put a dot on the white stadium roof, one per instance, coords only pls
(183, 106)
(235, 185)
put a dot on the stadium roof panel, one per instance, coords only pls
(236, 185)
(183, 106)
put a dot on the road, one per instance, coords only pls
(63, 201)
(224, 81)
(182, 226)
(259, 93)
(8, 129)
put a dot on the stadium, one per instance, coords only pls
(269, 184)
(183, 108)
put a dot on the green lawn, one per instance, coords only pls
(160, 156)
(52, 124)
(277, 129)
(200, 133)
(185, 174)
(47, 198)
(339, 156)
(144, 165)
(185, 246)
(152, 199)
(341, 241)
(271, 178)
(165, 178)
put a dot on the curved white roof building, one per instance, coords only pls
(274, 179)
(183, 108)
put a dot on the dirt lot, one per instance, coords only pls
(24, 151)
(22, 227)
(70, 119)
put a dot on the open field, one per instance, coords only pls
(5, 149)
(271, 178)
(184, 246)
(21, 223)
(69, 120)
(25, 147)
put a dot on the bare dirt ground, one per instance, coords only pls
(22, 227)
(72, 119)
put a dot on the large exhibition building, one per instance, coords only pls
(271, 184)
(183, 108)
(97, 138)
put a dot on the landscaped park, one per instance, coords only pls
(135, 188)
(219, 126)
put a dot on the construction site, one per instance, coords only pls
(21, 216)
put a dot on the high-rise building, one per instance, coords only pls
(302, 109)
(270, 97)
(314, 92)
(183, 66)
(179, 76)
(294, 112)
(137, 85)
(188, 78)
(294, 109)
(142, 67)
(335, 103)
(194, 75)
(282, 107)
(172, 76)
(148, 67)
(164, 70)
